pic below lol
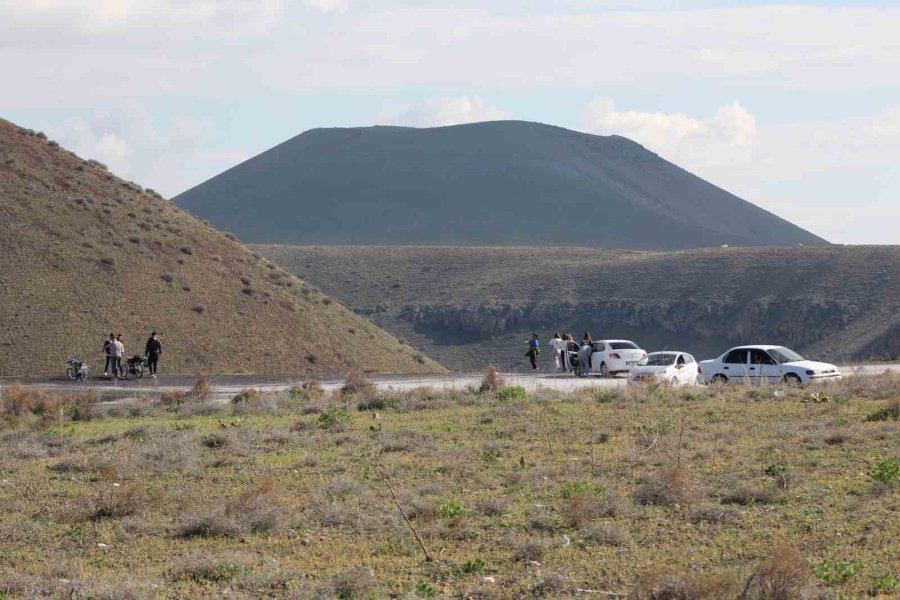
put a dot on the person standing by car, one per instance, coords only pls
(559, 352)
(534, 350)
(584, 358)
(153, 351)
(570, 344)
(107, 344)
(117, 351)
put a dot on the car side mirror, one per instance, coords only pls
(679, 366)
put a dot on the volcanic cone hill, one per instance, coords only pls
(84, 253)
(504, 183)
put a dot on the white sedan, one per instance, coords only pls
(766, 364)
(675, 368)
(609, 357)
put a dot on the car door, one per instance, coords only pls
(734, 365)
(688, 373)
(769, 369)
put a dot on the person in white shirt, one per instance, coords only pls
(117, 351)
(559, 352)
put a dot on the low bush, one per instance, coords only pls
(245, 396)
(335, 419)
(491, 381)
(836, 572)
(668, 487)
(203, 567)
(514, 392)
(886, 470)
(358, 384)
(891, 412)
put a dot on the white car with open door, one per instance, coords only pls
(766, 364)
(675, 368)
(610, 357)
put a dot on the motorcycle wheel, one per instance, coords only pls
(139, 370)
(72, 372)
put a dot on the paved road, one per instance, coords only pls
(226, 386)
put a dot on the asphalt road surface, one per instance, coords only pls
(226, 386)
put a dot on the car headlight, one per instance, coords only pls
(811, 372)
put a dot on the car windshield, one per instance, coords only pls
(623, 346)
(784, 355)
(658, 360)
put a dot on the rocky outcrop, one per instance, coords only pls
(795, 321)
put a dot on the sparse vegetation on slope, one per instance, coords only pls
(84, 253)
(295, 495)
(470, 306)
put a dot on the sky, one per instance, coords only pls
(794, 106)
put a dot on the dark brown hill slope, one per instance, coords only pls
(503, 183)
(467, 306)
(83, 253)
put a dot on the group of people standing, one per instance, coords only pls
(114, 349)
(568, 355)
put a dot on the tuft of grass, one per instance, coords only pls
(211, 568)
(491, 381)
(670, 486)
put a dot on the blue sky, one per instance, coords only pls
(793, 106)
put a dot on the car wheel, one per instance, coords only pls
(604, 371)
(792, 379)
(719, 379)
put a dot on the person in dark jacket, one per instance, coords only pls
(107, 344)
(153, 350)
(534, 350)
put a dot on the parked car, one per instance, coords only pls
(766, 364)
(610, 357)
(676, 368)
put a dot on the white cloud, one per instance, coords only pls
(216, 18)
(328, 6)
(128, 142)
(727, 137)
(813, 172)
(440, 112)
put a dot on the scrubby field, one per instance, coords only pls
(649, 493)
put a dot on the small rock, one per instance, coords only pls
(305, 542)
(488, 580)
(102, 545)
(116, 485)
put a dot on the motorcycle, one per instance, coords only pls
(134, 367)
(76, 369)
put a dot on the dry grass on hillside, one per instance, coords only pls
(647, 493)
(84, 253)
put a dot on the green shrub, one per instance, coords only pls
(836, 572)
(472, 566)
(776, 469)
(378, 403)
(888, 582)
(451, 509)
(889, 413)
(513, 392)
(886, 470)
(335, 419)
(570, 489)
(425, 590)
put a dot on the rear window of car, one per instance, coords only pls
(623, 346)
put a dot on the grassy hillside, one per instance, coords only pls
(467, 306)
(83, 253)
(641, 493)
(501, 183)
